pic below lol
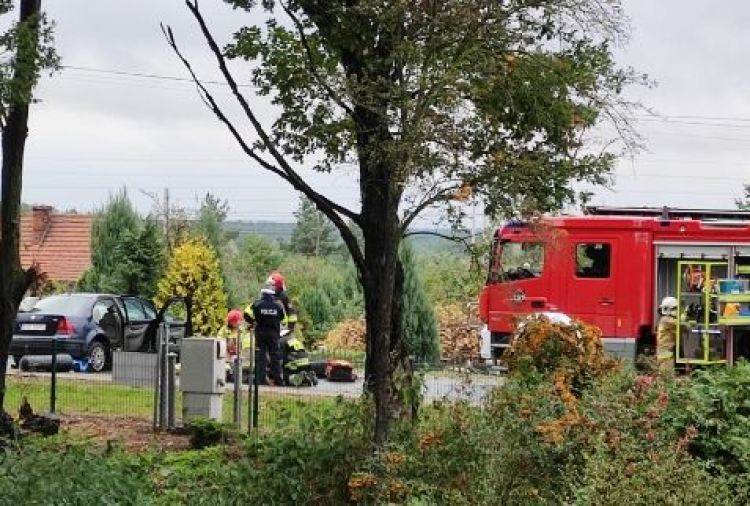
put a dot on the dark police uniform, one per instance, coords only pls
(267, 314)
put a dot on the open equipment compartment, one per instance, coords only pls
(701, 339)
(712, 287)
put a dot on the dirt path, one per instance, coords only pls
(133, 434)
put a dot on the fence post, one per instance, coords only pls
(164, 380)
(172, 388)
(53, 382)
(251, 406)
(157, 376)
(256, 382)
(237, 401)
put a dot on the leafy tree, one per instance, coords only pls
(314, 234)
(743, 204)
(432, 102)
(246, 267)
(174, 219)
(194, 273)
(25, 51)
(454, 277)
(420, 325)
(209, 223)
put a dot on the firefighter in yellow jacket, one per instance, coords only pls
(666, 334)
(235, 327)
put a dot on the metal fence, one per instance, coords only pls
(146, 387)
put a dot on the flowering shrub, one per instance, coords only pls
(574, 351)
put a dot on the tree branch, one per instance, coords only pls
(311, 64)
(453, 238)
(409, 218)
(331, 209)
(210, 102)
(29, 277)
(466, 241)
(291, 175)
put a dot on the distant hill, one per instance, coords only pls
(282, 233)
(278, 231)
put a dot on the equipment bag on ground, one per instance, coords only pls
(340, 370)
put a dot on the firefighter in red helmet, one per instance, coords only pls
(234, 329)
(290, 314)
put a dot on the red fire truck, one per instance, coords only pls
(612, 266)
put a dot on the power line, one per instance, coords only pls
(687, 119)
(696, 117)
(693, 123)
(145, 75)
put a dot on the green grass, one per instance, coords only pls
(80, 396)
(77, 397)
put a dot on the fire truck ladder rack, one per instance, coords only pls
(667, 213)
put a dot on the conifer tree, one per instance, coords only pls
(419, 323)
(314, 234)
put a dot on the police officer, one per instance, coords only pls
(266, 314)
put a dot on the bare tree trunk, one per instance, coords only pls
(14, 281)
(381, 230)
(378, 314)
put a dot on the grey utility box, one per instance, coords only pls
(202, 377)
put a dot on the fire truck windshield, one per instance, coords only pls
(517, 260)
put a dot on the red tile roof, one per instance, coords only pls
(59, 243)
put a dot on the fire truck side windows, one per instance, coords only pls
(593, 260)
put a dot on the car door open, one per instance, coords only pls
(176, 314)
(136, 325)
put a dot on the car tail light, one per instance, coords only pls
(65, 327)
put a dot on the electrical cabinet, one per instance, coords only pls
(202, 377)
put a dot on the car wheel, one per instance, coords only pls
(16, 361)
(97, 356)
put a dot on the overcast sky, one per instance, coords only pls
(96, 131)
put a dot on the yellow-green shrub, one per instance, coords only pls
(194, 273)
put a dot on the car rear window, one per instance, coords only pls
(64, 305)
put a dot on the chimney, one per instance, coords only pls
(40, 222)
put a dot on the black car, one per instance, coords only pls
(92, 325)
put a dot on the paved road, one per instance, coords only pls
(437, 385)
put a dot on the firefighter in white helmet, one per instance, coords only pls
(666, 334)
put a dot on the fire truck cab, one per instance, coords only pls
(612, 266)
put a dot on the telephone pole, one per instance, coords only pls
(166, 222)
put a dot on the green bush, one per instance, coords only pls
(715, 403)
(325, 291)
(311, 463)
(197, 477)
(631, 439)
(451, 278)
(58, 472)
(619, 448)
(205, 432)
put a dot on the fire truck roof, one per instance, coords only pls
(667, 213)
(667, 223)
